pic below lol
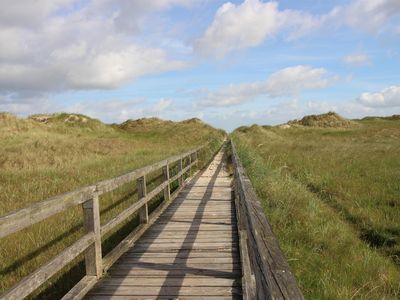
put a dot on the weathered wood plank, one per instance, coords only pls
(91, 224)
(220, 273)
(273, 278)
(183, 260)
(81, 288)
(167, 189)
(142, 192)
(183, 281)
(184, 254)
(22, 218)
(167, 291)
(204, 297)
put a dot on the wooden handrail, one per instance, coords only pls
(90, 243)
(266, 273)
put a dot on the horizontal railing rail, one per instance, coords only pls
(90, 243)
(266, 273)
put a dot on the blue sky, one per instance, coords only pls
(229, 63)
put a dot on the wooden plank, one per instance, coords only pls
(142, 192)
(81, 288)
(41, 275)
(199, 281)
(183, 260)
(220, 273)
(204, 297)
(192, 239)
(91, 224)
(182, 246)
(174, 266)
(273, 277)
(184, 254)
(25, 217)
(167, 189)
(180, 169)
(170, 291)
(140, 248)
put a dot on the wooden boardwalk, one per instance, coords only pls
(202, 242)
(190, 252)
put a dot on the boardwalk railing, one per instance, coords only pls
(90, 243)
(266, 273)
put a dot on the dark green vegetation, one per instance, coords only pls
(332, 195)
(48, 155)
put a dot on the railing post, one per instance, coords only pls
(180, 168)
(190, 164)
(91, 221)
(142, 191)
(167, 189)
(196, 157)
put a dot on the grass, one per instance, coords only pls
(40, 158)
(332, 197)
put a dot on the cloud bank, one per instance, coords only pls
(388, 97)
(291, 81)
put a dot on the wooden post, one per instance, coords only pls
(196, 157)
(180, 168)
(91, 222)
(142, 191)
(167, 189)
(190, 164)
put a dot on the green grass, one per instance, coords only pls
(333, 198)
(40, 160)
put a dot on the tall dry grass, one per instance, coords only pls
(332, 196)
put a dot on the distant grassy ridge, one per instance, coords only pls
(46, 155)
(332, 196)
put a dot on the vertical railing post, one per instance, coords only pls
(190, 164)
(167, 189)
(180, 168)
(196, 157)
(91, 222)
(142, 191)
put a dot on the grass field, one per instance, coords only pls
(332, 196)
(42, 157)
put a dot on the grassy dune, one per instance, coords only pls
(332, 197)
(41, 157)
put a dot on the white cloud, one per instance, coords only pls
(52, 46)
(239, 26)
(370, 15)
(293, 80)
(290, 81)
(357, 59)
(252, 22)
(388, 97)
(249, 24)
